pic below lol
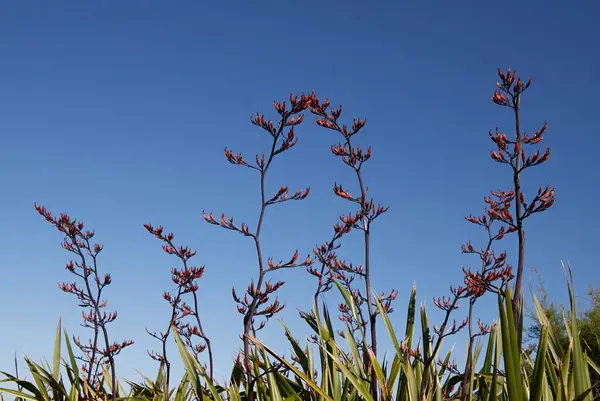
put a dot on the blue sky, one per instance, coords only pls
(118, 113)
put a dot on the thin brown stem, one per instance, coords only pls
(257, 295)
(428, 360)
(368, 289)
(164, 341)
(249, 316)
(97, 324)
(186, 283)
(204, 337)
(320, 284)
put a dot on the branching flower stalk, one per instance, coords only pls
(508, 94)
(331, 269)
(355, 157)
(493, 276)
(326, 255)
(256, 302)
(492, 268)
(186, 281)
(77, 240)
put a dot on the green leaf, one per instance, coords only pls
(273, 388)
(353, 347)
(19, 394)
(56, 359)
(302, 358)
(72, 361)
(580, 370)
(189, 365)
(294, 369)
(494, 385)
(25, 385)
(538, 374)
(357, 382)
(395, 370)
(511, 374)
(514, 342)
(379, 374)
(38, 380)
(350, 302)
(411, 381)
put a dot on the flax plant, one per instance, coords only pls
(185, 279)
(511, 152)
(335, 364)
(99, 350)
(355, 157)
(256, 303)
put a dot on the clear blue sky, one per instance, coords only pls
(118, 113)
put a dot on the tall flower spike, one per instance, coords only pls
(508, 93)
(354, 157)
(99, 351)
(183, 318)
(255, 305)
